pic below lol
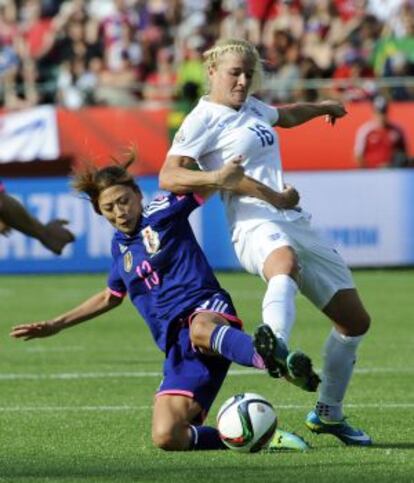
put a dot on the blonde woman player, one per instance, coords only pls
(272, 236)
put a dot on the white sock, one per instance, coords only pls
(339, 361)
(278, 309)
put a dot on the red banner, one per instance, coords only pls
(99, 132)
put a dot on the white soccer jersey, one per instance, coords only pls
(214, 134)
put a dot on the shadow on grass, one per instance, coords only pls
(393, 445)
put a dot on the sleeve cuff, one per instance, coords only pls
(121, 295)
(200, 200)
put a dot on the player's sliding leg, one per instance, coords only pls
(211, 333)
(172, 429)
(205, 437)
(339, 359)
(190, 385)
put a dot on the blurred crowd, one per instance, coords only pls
(124, 52)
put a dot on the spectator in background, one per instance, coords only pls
(275, 51)
(237, 22)
(315, 46)
(287, 75)
(119, 88)
(289, 17)
(192, 67)
(308, 71)
(379, 143)
(75, 84)
(38, 36)
(9, 64)
(186, 99)
(353, 80)
(262, 12)
(398, 65)
(160, 84)
(18, 72)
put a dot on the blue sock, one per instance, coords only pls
(205, 437)
(236, 346)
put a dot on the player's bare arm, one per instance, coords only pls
(96, 305)
(296, 114)
(288, 198)
(178, 176)
(4, 228)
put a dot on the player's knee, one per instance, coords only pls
(356, 325)
(292, 264)
(364, 323)
(284, 260)
(200, 333)
(166, 439)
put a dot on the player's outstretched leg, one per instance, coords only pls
(295, 366)
(341, 429)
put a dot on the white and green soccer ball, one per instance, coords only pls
(246, 422)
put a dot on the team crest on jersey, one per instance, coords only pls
(151, 240)
(256, 111)
(122, 248)
(128, 261)
(179, 136)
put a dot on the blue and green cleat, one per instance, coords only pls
(283, 440)
(341, 429)
(295, 366)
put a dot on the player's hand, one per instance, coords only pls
(230, 175)
(288, 198)
(35, 330)
(5, 230)
(57, 236)
(334, 110)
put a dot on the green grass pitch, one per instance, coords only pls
(77, 406)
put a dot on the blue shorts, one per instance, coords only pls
(188, 372)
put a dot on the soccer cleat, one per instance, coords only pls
(295, 366)
(300, 371)
(341, 429)
(272, 350)
(283, 440)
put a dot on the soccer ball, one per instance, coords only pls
(246, 422)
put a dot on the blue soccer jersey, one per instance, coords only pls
(162, 267)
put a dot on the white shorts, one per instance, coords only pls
(322, 271)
